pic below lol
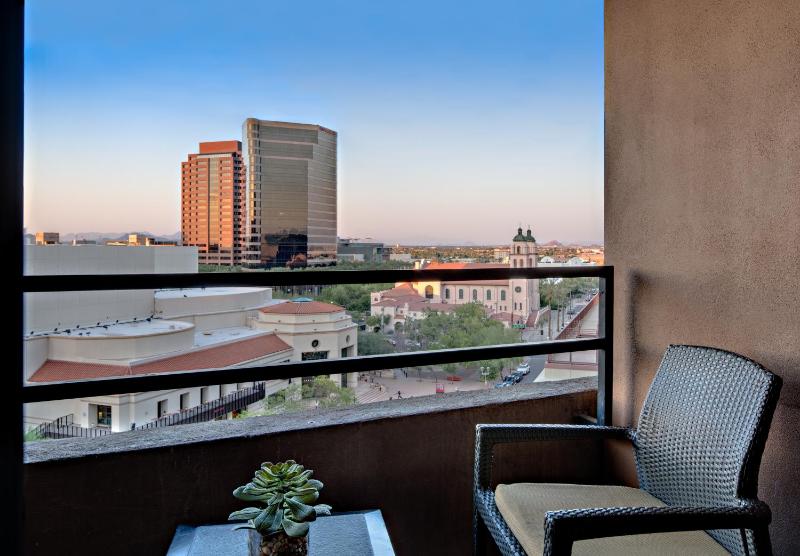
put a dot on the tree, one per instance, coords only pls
(555, 293)
(372, 343)
(32, 434)
(353, 297)
(374, 322)
(467, 326)
(327, 393)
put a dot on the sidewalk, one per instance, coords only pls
(410, 387)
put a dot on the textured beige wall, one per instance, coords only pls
(702, 202)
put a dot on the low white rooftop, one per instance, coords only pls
(121, 330)
(205, 292)
(210, 337)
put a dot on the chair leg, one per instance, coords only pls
(761, 542)
(480, 534)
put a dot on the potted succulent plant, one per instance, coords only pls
(288, 493)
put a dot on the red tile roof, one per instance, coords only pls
(445, 266)
(436, 265)
(301, 308)
(476, 283)
(487, 265)
(401, 290)
(211, 357)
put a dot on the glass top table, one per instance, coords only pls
(341, 534)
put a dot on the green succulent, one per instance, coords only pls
(287, 492)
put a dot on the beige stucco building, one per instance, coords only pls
(315, 330)
(512, 301)
(125, 333)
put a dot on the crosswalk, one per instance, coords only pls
(369, 395)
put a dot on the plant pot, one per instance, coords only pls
(282, 544)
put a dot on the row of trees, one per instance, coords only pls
(556, 293)
(466, 326)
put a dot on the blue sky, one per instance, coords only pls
(457, 121)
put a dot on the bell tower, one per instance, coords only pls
(524, 291)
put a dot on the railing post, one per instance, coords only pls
(605, 363)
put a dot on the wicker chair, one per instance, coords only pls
(698, 449)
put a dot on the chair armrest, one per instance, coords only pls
(487, 436)
(563, 527)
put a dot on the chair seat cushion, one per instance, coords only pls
(524, 505)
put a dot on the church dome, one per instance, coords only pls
(530, 237)
(519, 236)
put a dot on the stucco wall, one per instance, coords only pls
(702, 202)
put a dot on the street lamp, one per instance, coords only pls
(485, 374)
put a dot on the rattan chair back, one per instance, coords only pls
(702, 430)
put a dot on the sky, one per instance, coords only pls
(457, 121)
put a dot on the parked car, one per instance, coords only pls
(502, 384)
(524, 368)
(516, 376)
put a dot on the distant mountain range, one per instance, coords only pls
(123, 236)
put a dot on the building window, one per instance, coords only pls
(474, 295)
(488, 295)
(428, 292)
(517, 249)
(447, 293)
(162, 407)
(460, 293)
(502, 295)
(185, 401)
(314, 355)
(203, 394)
(103, 415)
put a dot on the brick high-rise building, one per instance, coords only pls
(212, 202)
(291, 194)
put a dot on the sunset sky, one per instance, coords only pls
(457, 121)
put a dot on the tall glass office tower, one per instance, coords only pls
(291, 194)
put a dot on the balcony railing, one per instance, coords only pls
(142, 383)
(65, 427)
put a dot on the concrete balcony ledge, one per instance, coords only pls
(410, 458)
(213, 431)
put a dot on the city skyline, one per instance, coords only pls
(444, 137)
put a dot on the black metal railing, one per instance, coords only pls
(65, 427)
(186, 379)
(235, 401)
